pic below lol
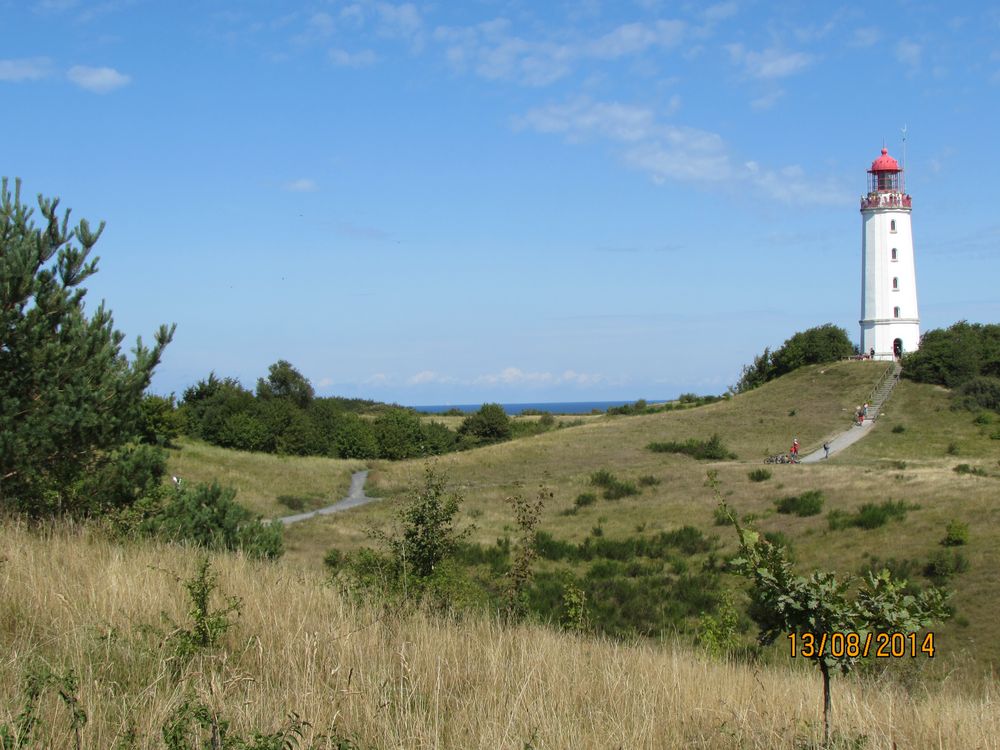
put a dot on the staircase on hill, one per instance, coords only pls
(882, 390)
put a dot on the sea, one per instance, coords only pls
(553, 407)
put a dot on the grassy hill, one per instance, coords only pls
(915, 466)
(72, 600)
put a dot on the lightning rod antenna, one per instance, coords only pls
(903, 186)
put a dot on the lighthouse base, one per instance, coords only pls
(889, 338)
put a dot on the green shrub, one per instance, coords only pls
(983, 418)
(293, 502)
(649, 481)
(956, 534)
(620, 489)
(807, 504)
(899, 429)
(952, 449)
(870, 515)
(705, 450)
(208, 515)
(759, 475)
(584, 499)
(489, 425)
(602, 478)
(943, 566)
(976, 471)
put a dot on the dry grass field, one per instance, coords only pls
(74, 601)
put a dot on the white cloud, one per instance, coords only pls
(514, 376)
(633, 38)
(301, 185)
(325, 382)
(769, 63)
(429, 376)
(791, 185)
(346, 59)
(908, 53)
(401, 22)
(768, 100)
(662, 150)
(720, 12)
(98, 80)
(866, 37)
(670, 152)
(25, 69)
(490, 49)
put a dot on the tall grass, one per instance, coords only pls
(401, 679)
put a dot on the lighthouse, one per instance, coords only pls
(890, 323)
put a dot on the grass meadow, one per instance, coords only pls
(402, 679)
(72, 599)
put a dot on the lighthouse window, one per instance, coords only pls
(895, 283)
(895, 312)
(894, 253)
(892, 225)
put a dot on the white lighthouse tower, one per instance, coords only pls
(890, 323)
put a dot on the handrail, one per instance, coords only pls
(881, 381)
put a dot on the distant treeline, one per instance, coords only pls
(284, 416)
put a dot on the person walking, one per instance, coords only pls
(795, 451)
(826, 450)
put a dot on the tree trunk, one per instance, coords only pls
(826, 701)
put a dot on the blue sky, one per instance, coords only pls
(511, 201)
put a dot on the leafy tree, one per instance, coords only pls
(69, 398)
(825, 343)
(209, 404)
(952, 356)
(399, 434)
(821, 605)
(355, 438)
(284, 381)
(489, 424)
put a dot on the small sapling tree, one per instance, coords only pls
(810, 610)
(527, 514)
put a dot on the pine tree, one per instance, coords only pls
(70, 400)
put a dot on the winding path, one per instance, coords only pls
(356, 496)
(849, 437)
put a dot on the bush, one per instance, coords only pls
(956, 534)
(489, 425)
(807, 504)
(207, 515)
(704, 450)
(584, 499)
(649, 481)
(870, 515)
(620, 489)
(759, 475)
(943, 566)
(967, 469)
(602, 478)
(899, 429)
